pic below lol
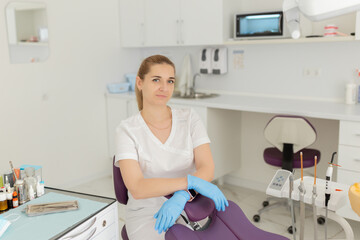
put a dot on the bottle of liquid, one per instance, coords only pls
(15, 200)
(7, 184)
(3, 202)
(30, 180)
(9, 198)
(350, 94)
(31, 193)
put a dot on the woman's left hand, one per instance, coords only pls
(170, 211)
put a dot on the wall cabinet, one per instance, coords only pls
(185, 22)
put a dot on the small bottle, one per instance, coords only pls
(350, 95)
(1, 181)
(7, 184)
(3, 203)
(31, 193)
(9, 198)
(15, 200)
(22, 173)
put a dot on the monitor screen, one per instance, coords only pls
(259, 24)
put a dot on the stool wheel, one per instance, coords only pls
(321, 220)
(290, 230)
(256, 218)
(265, 203)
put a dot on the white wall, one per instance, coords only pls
(53, 113)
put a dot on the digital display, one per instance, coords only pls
(259, 24)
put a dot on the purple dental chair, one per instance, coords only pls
(232, 224)
(289, 135)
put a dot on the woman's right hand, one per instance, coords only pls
(208, 190)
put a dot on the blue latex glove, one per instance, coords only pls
(209, 190)
(171, 210)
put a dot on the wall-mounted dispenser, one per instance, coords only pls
(219, 61)
(205, 61)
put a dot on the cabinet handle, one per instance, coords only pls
(104, 223)
(357, 159)
(87, 228)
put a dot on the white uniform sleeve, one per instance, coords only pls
(199, 134)
(125, 145)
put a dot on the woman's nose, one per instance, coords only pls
(163, 86)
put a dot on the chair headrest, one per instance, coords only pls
(121, 191)
(294, 130)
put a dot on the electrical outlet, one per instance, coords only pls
(311, 72)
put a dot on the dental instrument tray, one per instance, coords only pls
(53, 207)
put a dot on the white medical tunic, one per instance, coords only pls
(174, 158)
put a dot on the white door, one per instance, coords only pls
(132, 23)
(162, 22)
(201, 22)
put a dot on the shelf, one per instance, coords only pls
(40, 44)
(290, 40)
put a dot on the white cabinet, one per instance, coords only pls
(104, 225)
(184, 22)
(132, 22)
(201, 22)
(162, 25)
(349, 153)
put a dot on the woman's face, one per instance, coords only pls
(158, 84)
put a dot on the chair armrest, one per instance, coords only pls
(199, 208)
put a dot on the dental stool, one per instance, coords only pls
(232, 224)
(289, 135)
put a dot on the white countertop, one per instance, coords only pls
(306, 108)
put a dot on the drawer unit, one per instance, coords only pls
(95, 226)
(347, 177)
(349, 158)
(349, 133)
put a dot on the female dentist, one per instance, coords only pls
(160, 151)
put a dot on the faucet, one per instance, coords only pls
(192, 89)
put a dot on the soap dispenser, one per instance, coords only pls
(219, 61)
(205, 61)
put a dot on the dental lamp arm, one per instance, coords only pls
(292, 16)
(316, 10)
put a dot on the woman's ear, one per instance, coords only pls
(139, 82)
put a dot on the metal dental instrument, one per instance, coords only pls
(329, 173)
(302, 200)
(291, 188)
(313, 201)
(12, 169)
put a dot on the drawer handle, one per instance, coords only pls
(104, 223)
(87, 228)
(91, 234)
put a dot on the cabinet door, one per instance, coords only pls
(162, 22)
(132, 23)
(201, 22)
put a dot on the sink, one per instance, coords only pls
(195, 95)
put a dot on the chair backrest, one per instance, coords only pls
(294, 130)
(121, 191)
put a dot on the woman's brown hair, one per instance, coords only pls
(144, 68)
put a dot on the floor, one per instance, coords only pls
(276, 220)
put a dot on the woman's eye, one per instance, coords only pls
(171, 81)
(156, 80)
